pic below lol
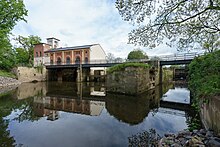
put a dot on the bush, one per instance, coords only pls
(119, 67)
(204, 75)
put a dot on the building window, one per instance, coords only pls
(77, 61)
(67, 60)
(36, 54)
(51, 61)
(86, 60)
(40, 54)
(58, 60)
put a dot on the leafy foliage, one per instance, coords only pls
(119, 67)
(137, 54)
(21, 56)
(186, 22)
(204, 75)
(11, 12)
(25, 52)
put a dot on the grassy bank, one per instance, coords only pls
(7, 74)
(204, 76)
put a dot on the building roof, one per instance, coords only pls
(53, 38)
(41, 43)
(70, 48)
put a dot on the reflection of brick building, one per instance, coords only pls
(69, 105)
(49, 106)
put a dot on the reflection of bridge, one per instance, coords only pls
(174, 59)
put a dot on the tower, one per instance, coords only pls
(53, 42)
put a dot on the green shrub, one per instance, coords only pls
(204, 75)
(4, 73)
(122, 66)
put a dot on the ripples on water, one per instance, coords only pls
(70, 114)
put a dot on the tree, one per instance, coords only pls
(27, 44)
(211, 43)
(21, 56)
(137, 54)
(11, 12)
(110, 57)
(185, 22)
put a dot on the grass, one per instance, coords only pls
(7, 74)
(122, 66)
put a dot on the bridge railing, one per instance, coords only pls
(183, 56)
(174, 57)
(97, 62)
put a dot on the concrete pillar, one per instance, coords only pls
(161, 75)
(59, 76)
(79, 74)
(91, 75)
(73, 60)
(63, 60)
(83, 57)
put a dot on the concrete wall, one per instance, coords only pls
(26, 74)
(132, 81)
(97, 53)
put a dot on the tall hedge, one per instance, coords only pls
(204, 75)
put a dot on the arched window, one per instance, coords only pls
(86, 60)
(77, 61)
(36, 54)
(67, 60)
(58, 60)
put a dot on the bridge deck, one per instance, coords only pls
(175, 59)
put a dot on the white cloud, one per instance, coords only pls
(79, 22)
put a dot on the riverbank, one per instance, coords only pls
(186, 138)
(200, 138)
(7, 81)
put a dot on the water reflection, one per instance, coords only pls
(130, 109)
(43, 114)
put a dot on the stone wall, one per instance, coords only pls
(26, 74)
(131, 80)
(210, 114)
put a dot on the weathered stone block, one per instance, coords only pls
(131, 81)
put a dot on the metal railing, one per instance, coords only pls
(185, 56)
(174, 57)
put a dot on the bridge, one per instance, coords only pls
(174, 59)
(158, 62)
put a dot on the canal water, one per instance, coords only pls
(70, 114)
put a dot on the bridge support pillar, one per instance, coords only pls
(91, 75)
(161, 75)
(59, 76)
(79, 74)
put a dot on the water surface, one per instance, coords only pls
(71, 114)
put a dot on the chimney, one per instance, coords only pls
(53, 42)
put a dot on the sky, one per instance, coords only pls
(81, 22)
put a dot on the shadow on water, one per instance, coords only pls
(86, 106)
